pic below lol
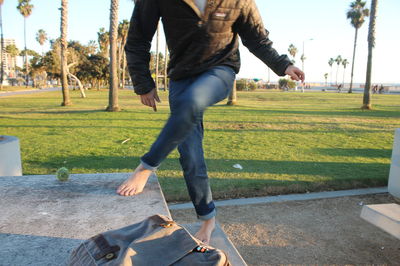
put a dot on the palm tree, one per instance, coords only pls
(356, 14)
(123, 28)
(25, 8)
(330, 63)
(338, 61)
(113, 92)
(2, 47)
(41, 37)
(64, 47)
(345, 62)
(103, 38)
(292, 51)
(371, 44)
(326, 79)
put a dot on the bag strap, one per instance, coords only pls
(106, 250)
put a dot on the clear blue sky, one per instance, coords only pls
(289, 21)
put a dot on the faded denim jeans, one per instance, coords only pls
(188, 99)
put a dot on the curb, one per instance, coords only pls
(291, 197)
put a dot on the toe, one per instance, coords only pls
(131, 192)
(120, 188)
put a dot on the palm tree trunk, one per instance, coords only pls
(26, 55)
(157, 56)
(344, 72)
(371, 44)
(123, 70)
(165, 68)
(2, 48)
(352, 63)
(64, 70)
(337, 72)
(232, 99)
(113, 92)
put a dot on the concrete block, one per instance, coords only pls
(384, 216)
(10, 156)
(221, 241)
(394, 176)
(43, 219)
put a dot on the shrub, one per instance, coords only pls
(245, 85)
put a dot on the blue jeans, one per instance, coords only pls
(188, 99)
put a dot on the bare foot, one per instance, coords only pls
(135, 183)
(206, 229)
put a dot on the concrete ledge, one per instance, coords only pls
(221, 241)
(43, 219)
(10, 156)
(384, 216)
(394, 175)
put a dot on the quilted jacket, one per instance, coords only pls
(197, 41)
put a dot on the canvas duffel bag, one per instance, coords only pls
(154, 241)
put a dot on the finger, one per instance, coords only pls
(157, 98)
(152, 104)
(294, 76)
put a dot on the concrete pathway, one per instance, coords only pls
(12, 93)
(290, 197)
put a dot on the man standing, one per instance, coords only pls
(202, 37)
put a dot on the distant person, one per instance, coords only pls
(381, 89)
(340, 88)
(375, 89)
(202, 37)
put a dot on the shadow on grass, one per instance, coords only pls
(367, 153)
(237, 128)
(343, 112)
(331, 170)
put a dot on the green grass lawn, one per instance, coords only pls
(286, 142)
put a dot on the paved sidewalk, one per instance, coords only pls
(12, 93)
(318, 231)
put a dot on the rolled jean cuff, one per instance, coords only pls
(212, 214)
(147, 166)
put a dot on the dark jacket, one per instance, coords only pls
(197, 41)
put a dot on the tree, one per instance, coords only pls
(326, 79)
(2, 46)
(330, 63)
(64, 68)
(25, 8)
(92, 47)
(356, 14)
(113, 92)
(338, 61)
(371, 44)
(345, 62)
(232, 98)
(292, 51)
(245, 85)
(41, 37)
(103, 37)
(13, 52)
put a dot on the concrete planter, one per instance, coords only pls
(394, 176)
(10, 156)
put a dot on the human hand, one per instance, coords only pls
(150, 98)
(295, 73)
